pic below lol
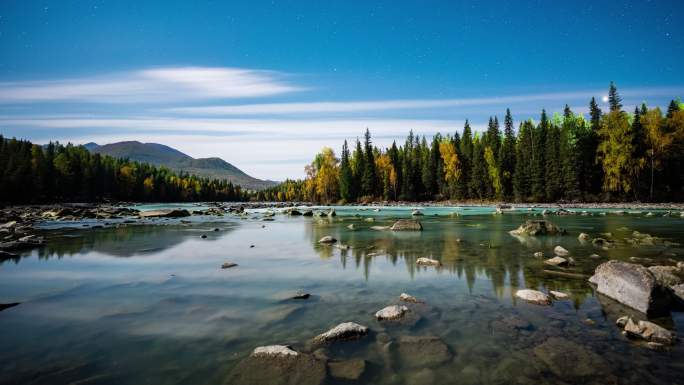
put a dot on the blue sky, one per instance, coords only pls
(265, 85)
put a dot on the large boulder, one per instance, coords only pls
(537, 227)
(632, 285)
(175, 213)
(406, 225)
(667, 275)
(343, 331)
(347, 370)
(278, 365)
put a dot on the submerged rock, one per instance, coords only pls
(380, 228)
(391, 312)
(537, 227)
(422, 351)
(533, 296)
(347, 370)
(416, 212)
(632, 285)
(567, 359)
(278, 365)
(406, 225)
(423, 261)
(343, 331)
(327, 239)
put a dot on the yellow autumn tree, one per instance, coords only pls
(387, 175)
(452, 165)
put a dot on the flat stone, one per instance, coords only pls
(567, 359)
(347, 370)
(391, 312)
(423, 261)
(343, 331)
(533, 296)
(407, 225)
(632, 285)
(274, 350)
(416, 212)
(175, 213)
(327, 239)
(380, 228)
(559, 295)
(556, 261)
(228, 265)
(422, 351)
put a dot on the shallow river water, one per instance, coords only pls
(150, 304)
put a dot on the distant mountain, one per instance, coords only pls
(161, 155)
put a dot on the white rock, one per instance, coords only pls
(274, 350)
(539, 254)
(427, 262)
(560, 251)
(556, 261)
(343, 331)
(584, 237)
(391, 312)
(559, 294)
(327, 239)
(533, 296)
(408, 298)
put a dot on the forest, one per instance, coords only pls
(614, 155)
(31, 173)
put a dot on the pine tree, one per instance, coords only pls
(346, 176)
(538, 171)
(507, 157)
(466, 150)
(552, 167)
(368, 182)
(614, 99)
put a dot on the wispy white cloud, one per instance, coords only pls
(152, 85)
(409, 104)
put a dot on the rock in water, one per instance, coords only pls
(347, 370)
(533, 296)
(408, 298)
(416, 212)
(406, 225)
(560, 251)
(228, 265)
(343, 331)
(584, 237)
(632, 285)
(558, 294)
(422, 261)
(567, 359)
(537, 227)
(649, 331)
(278, 365)
(164, 213)
(327, 239)
(351, 227)
(423, 351)
(557, 261)
(391, 312)
(667, 275)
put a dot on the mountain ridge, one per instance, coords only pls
(163, 155)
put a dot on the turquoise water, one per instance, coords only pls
(149, 303)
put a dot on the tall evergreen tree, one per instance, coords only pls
(507, 155)
(368, 182)
(346, 176)
(614, 99)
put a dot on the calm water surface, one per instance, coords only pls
(149, 304)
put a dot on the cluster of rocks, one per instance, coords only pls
(537, 227)
(284, 364)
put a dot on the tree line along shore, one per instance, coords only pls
(613, 156)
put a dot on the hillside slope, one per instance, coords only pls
(161, 155)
